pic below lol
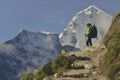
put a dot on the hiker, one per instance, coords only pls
(88, 35)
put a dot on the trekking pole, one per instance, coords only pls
(97, 38)
(85, 41)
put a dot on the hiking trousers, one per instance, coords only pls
(89, 41)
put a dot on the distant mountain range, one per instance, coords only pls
(29, 50)
(26, 52)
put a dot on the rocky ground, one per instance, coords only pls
(85, 67)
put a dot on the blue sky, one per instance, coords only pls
(44, 15)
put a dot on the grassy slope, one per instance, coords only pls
(111, 63)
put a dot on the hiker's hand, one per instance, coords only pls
(85, 34)
(97, 38)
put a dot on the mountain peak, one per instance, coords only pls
(92, 10)
(26, 37)
(73, 35)
(29, 51)
(22, 31)
(93, 7)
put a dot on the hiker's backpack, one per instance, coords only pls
(94, 31)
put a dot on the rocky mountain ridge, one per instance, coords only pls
(26, 52)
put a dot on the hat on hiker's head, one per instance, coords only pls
(88, 24)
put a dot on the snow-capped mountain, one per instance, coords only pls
(74, 34)
(26, 52)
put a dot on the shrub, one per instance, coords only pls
(40, 74)
(60, 64)
(52, 67)
(29, 76)
(70, 60)
(47, 69)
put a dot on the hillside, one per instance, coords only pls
(71, 65)
(94, 63)
(111, 63)
(85, 66)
